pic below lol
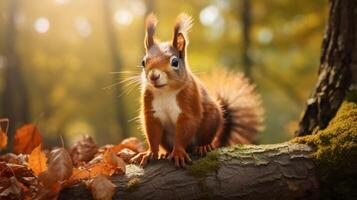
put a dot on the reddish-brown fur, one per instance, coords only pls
(199, 116)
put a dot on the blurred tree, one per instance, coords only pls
(338, 61)
(246, 20)
(15, 96)
(150, 7)
(120, 110)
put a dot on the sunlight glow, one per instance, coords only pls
(62, 2)
(123, 17)
(137, 7)
(83, 26)
(42, 25)
(209, 15)
(265, 35)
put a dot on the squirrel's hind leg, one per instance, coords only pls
(210, 126)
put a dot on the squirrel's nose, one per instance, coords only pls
(154, 77)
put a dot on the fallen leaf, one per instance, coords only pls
(83, 150)
(3, 134)
(10, 169)
(26, 139)
(59, 164)
(114, 161)
(10, 188)
(37, 161)
(131, 143)
(11, 158)
(101, 168)
(79, 174)
(135, 144)
(126, 154)
(3, 139)
(102, 188)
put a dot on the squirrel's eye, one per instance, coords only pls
(143, 63)
(174, 62)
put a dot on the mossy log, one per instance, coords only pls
(280, 171)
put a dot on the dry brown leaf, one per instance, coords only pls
(114, 161)
(26, 139)
(102, 188)
(131, 143)
(12, 158)
(10, 188)
(59, 169)
(108, 165)
(84, 150)
(59, 164)
(37, 161)
(10, 169)
(126, 154)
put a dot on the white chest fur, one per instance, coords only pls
(167, 110)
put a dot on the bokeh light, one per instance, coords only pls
(83, 26)
(209, 15)
(42, 25)
(123, 17)
(265, 35)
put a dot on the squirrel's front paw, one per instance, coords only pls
(144, 157)
(203, 150)
(180, 157)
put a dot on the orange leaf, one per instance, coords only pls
(3, 139)
(3, 135)
(114, 162)
(79, 174)
(37, 161)
(26, 139)
(102, 188)
(100, 168)
(131, 143)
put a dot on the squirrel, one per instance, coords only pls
(178, 114)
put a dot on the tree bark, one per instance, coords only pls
(281, 171)
(337, 69)
(117, 67)
(15, 96)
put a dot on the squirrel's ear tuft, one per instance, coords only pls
(182, 26)
(150, 26)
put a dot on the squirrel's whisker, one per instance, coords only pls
(120, 82)
(128, 90)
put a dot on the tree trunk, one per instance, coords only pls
(337, 65)
(281, 171)
(246, 21)
(117, 67)
(15, 96)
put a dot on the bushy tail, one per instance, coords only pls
(241, 106)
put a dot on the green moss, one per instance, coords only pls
(204, 166)
(336, 153)
(201, 168)
(132, 184)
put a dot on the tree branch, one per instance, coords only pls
(280, 171)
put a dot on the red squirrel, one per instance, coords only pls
(179, 113)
